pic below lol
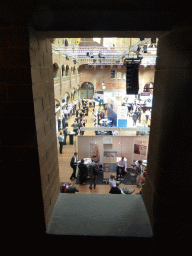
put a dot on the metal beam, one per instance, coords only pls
(102, 129)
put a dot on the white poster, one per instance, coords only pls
(122, 112)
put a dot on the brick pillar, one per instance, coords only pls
(43, 96)
(19, 158)
(167, 191)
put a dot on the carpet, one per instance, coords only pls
(128, 179)
(99, 215)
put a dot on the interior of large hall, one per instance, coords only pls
(103, 89)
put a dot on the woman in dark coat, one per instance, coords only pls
(83, 172)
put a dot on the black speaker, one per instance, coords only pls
(132, 83)
(153, 40)
(112, 73)
(145, 48)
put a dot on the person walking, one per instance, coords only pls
(93, 172)
(61, 140)
(73, 165)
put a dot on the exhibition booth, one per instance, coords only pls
(109, 150)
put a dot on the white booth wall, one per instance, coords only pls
(124, 145)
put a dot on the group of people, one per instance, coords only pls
(92, 170)
(137, 115)
(79, 122)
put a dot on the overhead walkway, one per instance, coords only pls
(100, 215)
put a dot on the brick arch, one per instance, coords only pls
(87, 85)
(63, 70)
(57, 103)
(67, 69)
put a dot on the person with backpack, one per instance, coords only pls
(73, 165)
(93, 172)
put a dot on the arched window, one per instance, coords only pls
(67, 70)
(63, 70)
(87, 85)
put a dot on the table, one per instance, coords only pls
(71, 134)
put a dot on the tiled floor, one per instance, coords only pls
(65, 170)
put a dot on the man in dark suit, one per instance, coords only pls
(63, 121)
(83, 172)
(73, 165)
(93, 172)
(65, 130)
(102, 115)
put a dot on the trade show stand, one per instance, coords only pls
(109, 149)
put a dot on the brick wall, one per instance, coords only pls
(44, 106)
(95, 76)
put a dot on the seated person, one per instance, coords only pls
(117, 190)
(142, 181)
(121, 167)
(83, 172)
(112, 181)
(75, 127)
(68, 188)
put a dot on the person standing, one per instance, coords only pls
(134, 118)
(140, 114)
(83, 172)
(84, 121)
(139, 170)
(90, 102)
(77, 112)
(79, 103)
(93, 172)
(63, 121)
(147, 114)
(65, 130)
(59, 123)
(121, 166)
(73, 165)
(61, 140)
